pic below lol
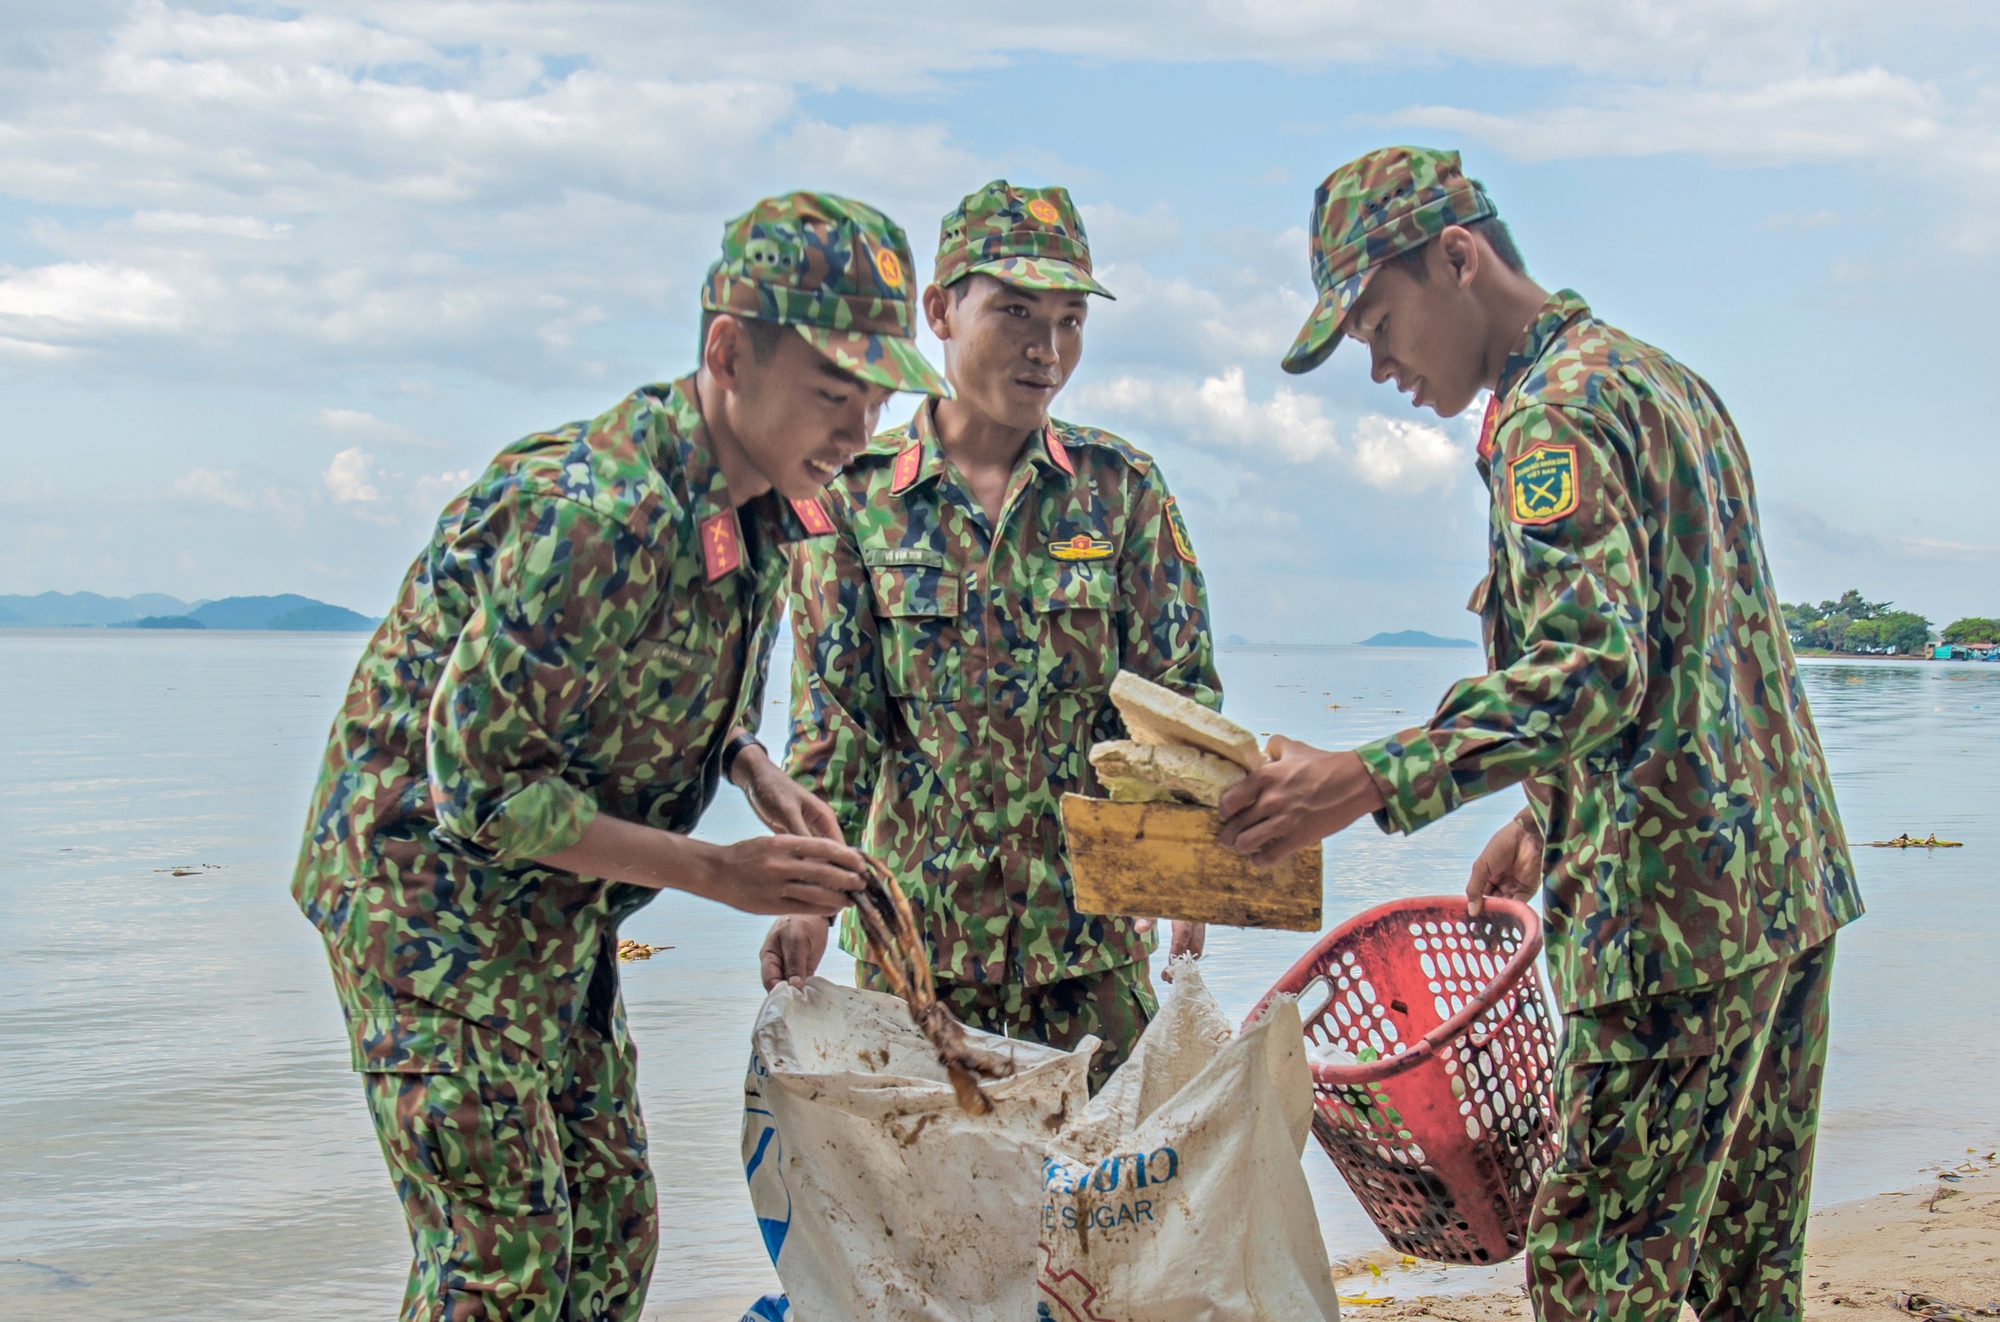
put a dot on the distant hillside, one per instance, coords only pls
(67, 609)
(152, 610)
(1414, 638)
(320, 617)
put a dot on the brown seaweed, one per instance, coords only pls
(897, 948)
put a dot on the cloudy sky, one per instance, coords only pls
(275, 280)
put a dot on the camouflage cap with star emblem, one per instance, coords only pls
(1030, 238)
(838, 270)
(1367, 212)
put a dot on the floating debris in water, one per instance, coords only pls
(629, 950)
(183, 870)
(1907, 841)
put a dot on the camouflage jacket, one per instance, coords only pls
(589, 620)
(951, 678)
(1643, 683)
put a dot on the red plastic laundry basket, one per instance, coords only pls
(1444, 1136)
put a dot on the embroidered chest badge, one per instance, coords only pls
(1541, 485)
(1081, 547)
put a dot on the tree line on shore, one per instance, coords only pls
(1854, 624)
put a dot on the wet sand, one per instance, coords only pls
(1940, 1239)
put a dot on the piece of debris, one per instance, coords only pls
(896, 948)
(1937, 1310)
(1907, 841)
(629, 950)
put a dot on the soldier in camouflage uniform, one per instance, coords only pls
(992, 570)
(1680, 820)
(534, 728)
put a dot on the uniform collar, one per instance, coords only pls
(702, 488)
(920, 457)
(1564, 308)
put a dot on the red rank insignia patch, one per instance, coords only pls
(907, 463)
(813, 515)
(1488, 425)
(721, 545)
(1058, 453)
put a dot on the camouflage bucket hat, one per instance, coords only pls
(1031, 238)
(1367, 212)
(838, 270)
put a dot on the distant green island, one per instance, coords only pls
(1415, 638)
(87, 610)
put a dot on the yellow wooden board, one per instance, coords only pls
(1163, 860)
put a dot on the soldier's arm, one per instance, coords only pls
(561, 594)
(1162, 601)
(839, 701)
(1576, 585)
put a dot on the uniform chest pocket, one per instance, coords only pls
(917, 596)
(1073, 606)
(672, 661)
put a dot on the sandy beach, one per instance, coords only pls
(1940, 1240)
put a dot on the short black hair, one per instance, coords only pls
(1492, 229)
(763, 334)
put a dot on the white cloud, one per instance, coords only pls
(429, 492)
(1859, 114)
(1402, 455)
(188, 222)
(62, 300)
(1218, 410)
(227, 488)
(351, 477)
(362, 426)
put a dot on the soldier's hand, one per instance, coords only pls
(782, 874)
(1510, 866)
(792, 951)
(1187, 939)
(1301, 795)
(780, 802)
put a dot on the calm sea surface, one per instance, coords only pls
(180, 1136)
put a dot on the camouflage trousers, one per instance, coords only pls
(525, 1185)
(1114, 1005)
(1688, 1126)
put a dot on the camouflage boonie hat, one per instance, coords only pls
(838, 270)
(1031, 238)
(1368, 211)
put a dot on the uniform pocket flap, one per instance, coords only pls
(1075, 587)
(1650, 1028)
(407, 1041)
(915, 589)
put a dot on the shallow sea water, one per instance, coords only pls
(180, 1137)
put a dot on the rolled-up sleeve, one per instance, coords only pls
(560, 594)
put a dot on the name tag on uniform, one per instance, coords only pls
(680, 656)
